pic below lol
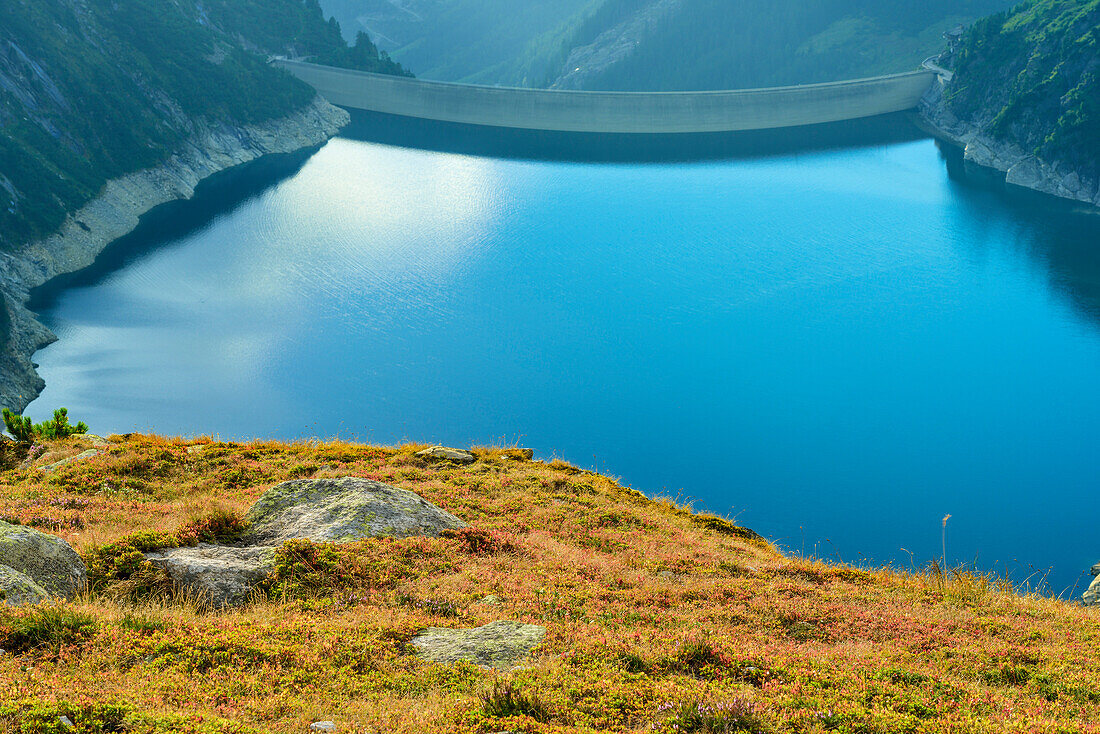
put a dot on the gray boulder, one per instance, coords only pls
(501, 645)
(442, 453)
(82, 456)
(17, 588)
(339, 510)
(220, 574)
(48, 560)
(1092, 596)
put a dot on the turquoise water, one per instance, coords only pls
(837, 345)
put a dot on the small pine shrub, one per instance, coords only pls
(24, 430)
(47, 627)
(505, 699)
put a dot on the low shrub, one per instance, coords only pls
(304, 568)
(478, 542)
(46, 627)
(504, 699)
(736, 715)
(124, 559)
(696, 656)
(37, 717)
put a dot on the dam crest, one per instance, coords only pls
(615, 112)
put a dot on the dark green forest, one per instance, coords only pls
(93, 90)
(1031, 76)
(693, 44)
(716, 44)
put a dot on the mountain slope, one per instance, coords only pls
(90, 91)
(1030, 79)
(456, 40)
(657, 44)
(715, 44)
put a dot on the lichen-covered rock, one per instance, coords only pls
(83, 455)
(339, 510)
(220, 574)
(442, 453)
(17, 588)
(1092, 596)
(48, 560)
(501, 645)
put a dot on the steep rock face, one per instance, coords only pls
(47, 560)
(342, 510)
(116, 211)
(1023, 96)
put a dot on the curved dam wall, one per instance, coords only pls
(615, 112)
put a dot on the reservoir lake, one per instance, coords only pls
(836, 336)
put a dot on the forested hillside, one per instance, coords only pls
(1031, 77)
(470, 40)
(717, 44)
(93, 90)
(657, 44)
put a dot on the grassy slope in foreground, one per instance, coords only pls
(648, 608)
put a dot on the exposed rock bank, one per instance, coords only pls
(115, 212)
(1019, 167)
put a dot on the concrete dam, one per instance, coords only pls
(615, 112)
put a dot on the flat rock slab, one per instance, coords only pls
(340, 510)
(83, 455)
(1092, 596)
(47, 559)
(221, 574)
(501, 645)
(442, 453)
(18, 588)
(97, 441)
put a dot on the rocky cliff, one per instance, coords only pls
(115, 212)
(1023, 96)
(1019, 167)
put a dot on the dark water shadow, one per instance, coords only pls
(539, 145)
(1061, 238)
(164, 225)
